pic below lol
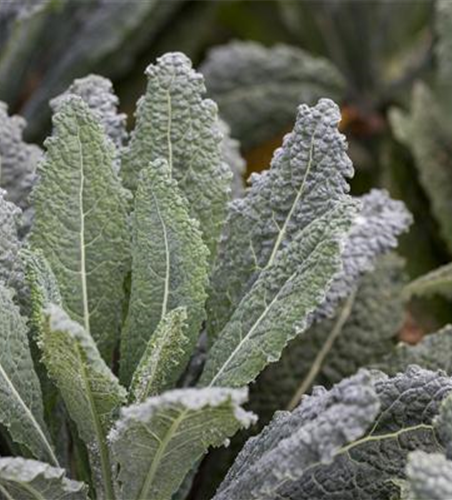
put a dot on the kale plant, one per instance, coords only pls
(139, 300)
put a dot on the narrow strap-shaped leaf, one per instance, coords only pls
(278, 306)
(21, 408)
(157, 442)
(174, 122)
(97, 92)
(91, 392)
(306, 179)
(81, 222)
(163, 360)
(23, 479)
(230, 148)
(169, 267)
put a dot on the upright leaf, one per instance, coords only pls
(306, 179)
(427, 132)
(21, 408)
(81, 222)
(230, 148)
(163, 360)
(279, 304)
(91, 392)
(155, 443)
(361, 333)
(443, 18)
(295, 442)
(169, 267)
(29, 480)
(97, 92)
(174, 122)
(257, 88)
(18, 160)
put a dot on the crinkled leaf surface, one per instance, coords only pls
(21, 408)
(295, 442)
(432, 353)
(230, 149)
(91, 392)
(306, 179)
(163, 361)
(81, 222)
(169, 267)
(176, 123)
(18, 160)
(366, 468)
(426, 132)
(22, 479)
(278, 305)
(361, 332)
(429, 476)
(157, 442)
(257, 88)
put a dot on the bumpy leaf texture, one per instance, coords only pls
(169, 267)
(432, 353)
(280, 302)
(307, 178)
(91, 392)
(21, 408)
(295, 442)
(230, 149)
(163, 360)
(157, 442)
(426, 132)
(29, 480)
(97, 92)
(361, 333)
(18, 161)
(176, 123)
(81, 222)
(364, 468)
(429, 476)
(257, 88)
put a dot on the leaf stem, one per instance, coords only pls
(322, 354)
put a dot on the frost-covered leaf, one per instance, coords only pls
(280, 302)
(163, 361)
(155, 443)
(21, 408)
(230, 148)
(169, 267)
(366, 468)
(374, 233)
(257, 88)
(91, 392)
(429, 476)
(22, 479)
(432, 353)
(295, 442)
(307, 178)
(98, 94)
(10, 265)
(81, 222)
(426, 132)
(176, 123)
(18, 160)
(361, 332)
(438, 281)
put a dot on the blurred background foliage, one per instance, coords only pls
(387, 63)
